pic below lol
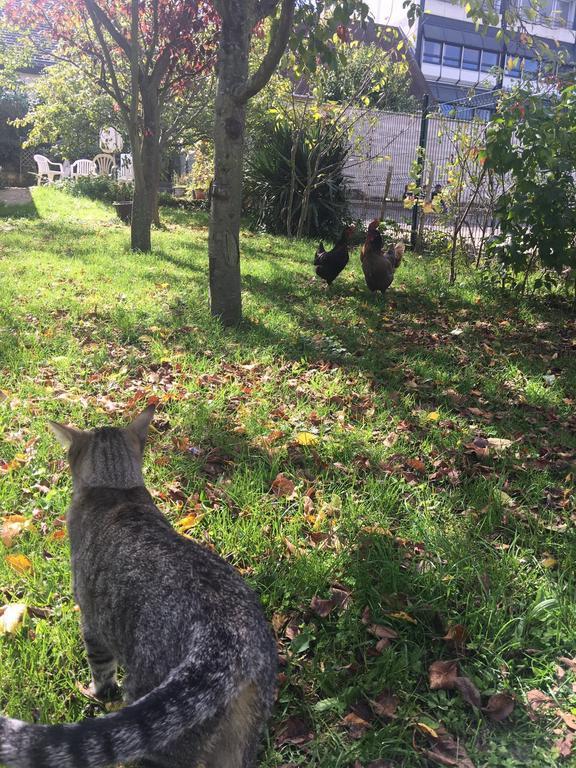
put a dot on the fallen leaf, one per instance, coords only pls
(295, 731)
(12, 527)
(19, 563)
(427, 729)
(282, 486)
(549, 562)
(11, 617)
(306, 438)
(322, 608)
(433, 416)
(569, 663)
(564, 746)
(385, 705)
(538, 700)
(448, 751)
(442, 675)
(185, 523)
(468, 691)
(458, 635)
(382, 632)
(499, 443)
(403, 616)
(499, 706)
(568, 718)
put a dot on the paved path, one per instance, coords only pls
(15, 196)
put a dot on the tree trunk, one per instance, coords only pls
(146, 163)
(226, 207)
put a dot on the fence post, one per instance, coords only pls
(420, 161)
(386, 193)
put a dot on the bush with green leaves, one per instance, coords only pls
(531, 141)
(101, 188)
(314, 158)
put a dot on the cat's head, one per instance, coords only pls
(107, 457)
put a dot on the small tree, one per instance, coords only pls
(531, 141)
(309, 28)
(144, 55)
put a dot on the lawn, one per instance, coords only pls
(394, 476)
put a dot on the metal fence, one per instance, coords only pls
(423, 170)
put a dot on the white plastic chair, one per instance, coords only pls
(104, 165)
(44, 170)
(82, 167)
(126, 171)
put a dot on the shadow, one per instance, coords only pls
(18, 211)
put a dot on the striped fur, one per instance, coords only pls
(198, 656)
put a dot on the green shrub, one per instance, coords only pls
(101, 188)
(268, 174)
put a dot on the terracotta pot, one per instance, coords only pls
(124, 210)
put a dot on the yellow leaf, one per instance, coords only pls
(433, 416)
(306, 438)
(428, 730)
(19, 563)
(188, 522)
(428, 207)
(403, 616)
(11, 617)
(549, 562)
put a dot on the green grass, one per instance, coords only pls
(89, 331)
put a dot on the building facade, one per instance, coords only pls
(457, 58)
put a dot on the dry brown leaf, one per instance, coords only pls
(384, 633)
(356, 725)
(499, 443)
(499, 706)
(295, 731)
(385, 705)
(568, 663)
(458, 635)
(447, 751)
(322, 608)
(11, 617)
(282, 486)
(12, 527)
(568, 718)
(564, 746)
(538, 700)
(468, 691)
(442, 675)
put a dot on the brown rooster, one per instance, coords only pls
(379, 266)
(329, 264)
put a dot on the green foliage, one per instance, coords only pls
(532, 141)
(68, 113)
(268, 174)
(368, 76)
(13, 104)
(101, 188)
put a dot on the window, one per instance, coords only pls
(432, 52)
(530, 69)
(452, 55)
(556, 13)
(563, 12)
(471, 59)
(489, 60)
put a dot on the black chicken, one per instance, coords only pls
(329, 264)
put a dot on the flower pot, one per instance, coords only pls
(199, 194)
(124, 210)
(178, 190)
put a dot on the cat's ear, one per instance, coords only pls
(64, 434)
(139, 426)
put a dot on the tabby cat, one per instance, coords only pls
(199, 657)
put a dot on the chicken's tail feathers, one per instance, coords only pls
(320, 252)
(399, 249)
(192, 694)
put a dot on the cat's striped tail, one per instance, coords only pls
(190, 695)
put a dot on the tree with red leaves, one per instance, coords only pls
(145, 54)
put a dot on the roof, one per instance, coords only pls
(40, 58)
